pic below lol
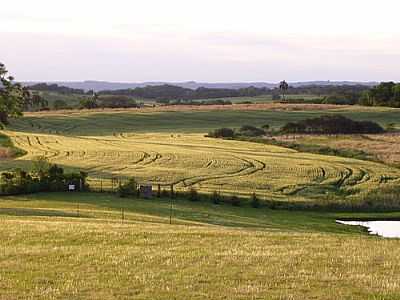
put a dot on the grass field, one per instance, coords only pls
(385, 147)
(209, 252)
(98, 246)
(169, 147)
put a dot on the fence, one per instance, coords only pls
(112, 184)
(159, 189)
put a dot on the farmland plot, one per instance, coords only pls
(191, 160)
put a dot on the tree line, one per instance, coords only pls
(384, 94)
(165, 93)
(327, 124)
(332, 124)
(45, 87)
(44, 177)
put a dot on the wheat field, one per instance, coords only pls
(114, 145)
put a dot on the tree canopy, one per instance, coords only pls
(384, 94)
(332, 124)
(14, 98)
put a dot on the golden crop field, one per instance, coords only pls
(192, 160)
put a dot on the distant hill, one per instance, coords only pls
(105, 85)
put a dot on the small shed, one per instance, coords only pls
(146, 191)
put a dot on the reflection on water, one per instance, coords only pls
(389, 229)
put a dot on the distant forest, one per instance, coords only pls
(384, 94)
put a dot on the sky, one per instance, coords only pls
(205, 41)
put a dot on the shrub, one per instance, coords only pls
(254, 201)
(235, 201)
(215, 197)
(51, 180)
(248, 130)
(128, 189)
(332, 124)
(276, 97)
(222, 132)
(60, 104)
(164, 193)
(193, 195)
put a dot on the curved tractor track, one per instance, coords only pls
(192, 160)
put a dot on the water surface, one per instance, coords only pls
(389, 229)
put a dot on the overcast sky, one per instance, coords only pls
(207, 40)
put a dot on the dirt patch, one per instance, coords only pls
(5, 153)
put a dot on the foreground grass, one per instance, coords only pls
(209, 252)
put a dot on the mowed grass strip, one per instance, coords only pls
(282, 255)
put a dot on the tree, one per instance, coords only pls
(283, 86)
(396, 93)
(222, 133)
(34, 101)
(91, 102)
(265, 126)
(13, 97)
(60, 104)
(41, 166)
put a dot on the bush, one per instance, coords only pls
(88, 104)
(215, 197)
(222, 133)
(254, 201)
(49, 179)
(164, 193)
(235, 201)
(128, 189)
(332, 124)
(193, 195)
(60, 104)
(276, 97)
(248, 130)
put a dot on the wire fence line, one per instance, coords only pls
(112, 184)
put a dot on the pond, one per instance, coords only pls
(388, 229)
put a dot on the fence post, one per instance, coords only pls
(101, 185)
(172, 191)
(170, 212)
(159, 191)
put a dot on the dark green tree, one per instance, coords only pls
(283, 86)
(13, 97)
(90, 103)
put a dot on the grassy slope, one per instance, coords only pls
(107, 123)
(210, 252)
(7, 148)
(384, 147)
